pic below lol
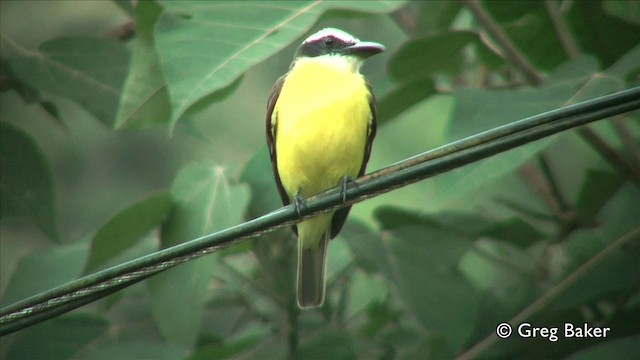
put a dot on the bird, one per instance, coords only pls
(320, 125)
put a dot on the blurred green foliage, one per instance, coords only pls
(127, 128)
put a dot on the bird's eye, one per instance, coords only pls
(328, 41)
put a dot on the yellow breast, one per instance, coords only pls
(322, 122)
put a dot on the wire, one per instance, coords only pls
(454, 155)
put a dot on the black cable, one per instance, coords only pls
(95, 286)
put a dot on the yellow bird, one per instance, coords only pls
(321, 121)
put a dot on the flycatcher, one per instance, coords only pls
(321, 121)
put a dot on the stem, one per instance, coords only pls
(406, 20)
(513, 54)
(565, 36)
(553, 293)
(627, 139)
(293, 313)
(567, 216)
(616, 160)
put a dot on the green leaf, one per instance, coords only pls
(425, 260)
(44, 269)
(528, 26)
(58, 338)
(90, 71)
(626, 10)
(621, 348)
(367, 247)
(480, 110)
(328, 345)
(206, 201)
(430, 55)
(499, 267)
(619, 270)
(27, 92)
(436, 16)
(258, 173)
(364, 290)
(123, 230)
(423, 264)
(205, 46)
(627, 66)
(26, 184)
(142, 349)
(595, 29)
(225, 350)
(145, 97)
(598, 187)
(514, 230)
(403, 97)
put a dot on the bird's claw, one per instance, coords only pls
(299, 203)
(344, 186)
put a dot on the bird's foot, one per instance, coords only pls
(300, 204)
(345, 182)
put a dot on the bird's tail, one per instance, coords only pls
(312, 267)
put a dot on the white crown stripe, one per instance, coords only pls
(337, 33)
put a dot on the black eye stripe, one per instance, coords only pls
(321, 46)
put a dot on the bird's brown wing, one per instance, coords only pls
(340, 216)
(271, 140)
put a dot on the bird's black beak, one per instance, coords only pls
(363, 49)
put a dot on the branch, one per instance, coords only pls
(565, 36)
(624, 133)
(606, 151)
(428, 164)
(553, 293)
(513, 54)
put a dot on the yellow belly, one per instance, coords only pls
(322, 124)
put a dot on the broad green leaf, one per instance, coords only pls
(206, 201)
(328, 345)
(620, 348)
(128, 349)
(126, 6)
(514, 230)
(27, 92)
(90, 71)
(471, 224)
(145, 97)
(480, 110)
(594, 28)
(379, 314)
(59, 338)
(225, 350)
(598, 187)
(619, 270)
(430, 55)
(44, 269)
(422, 258)
(26, 184)
(367, 248)
(627, 66)
(626, 10)
(436, 16)
(499, 267)
(425, 260)
(205, 46)
(528, 26)
(258, 173)
(364, 291)
(403, 97)
(127, 227)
